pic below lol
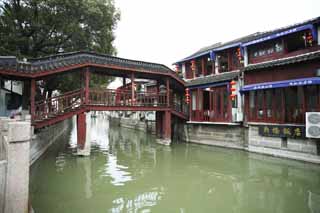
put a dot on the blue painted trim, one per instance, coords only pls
(209, 85)
(193, 57)
(280, 84)
(283, 33)
(212, 55)
(227, 46)
(213, 51)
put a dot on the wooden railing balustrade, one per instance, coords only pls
(59, 104)
(108, 97)
(51, 107)
(210, 116)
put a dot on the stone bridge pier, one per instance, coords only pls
(83, 134)
(163, 127)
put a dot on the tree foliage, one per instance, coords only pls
(36, 28)
(33, 28)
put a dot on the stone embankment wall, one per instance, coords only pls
(15, 142)
(231, 136)
(19, 148)
(43, 138)
(248, 138)
(146, 126)
(298, 149)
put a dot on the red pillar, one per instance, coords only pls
(32, 98)
(190, 105)
(213, 67)
(87, 85)
(202, 66)
(230, 65)
(132, 89)
(167, 125)
(159, 124)
(168, 92)
(81, 130)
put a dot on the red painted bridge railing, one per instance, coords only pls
(61, 104)
(71, 101)
(126, 98)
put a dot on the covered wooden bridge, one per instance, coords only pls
(167, 100)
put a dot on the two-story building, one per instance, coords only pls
(253, 92)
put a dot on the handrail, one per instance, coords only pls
(48, 108)
(59, 96)
(59, 104)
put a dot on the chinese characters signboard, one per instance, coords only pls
(282, 131)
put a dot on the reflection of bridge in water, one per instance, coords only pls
(46, 111)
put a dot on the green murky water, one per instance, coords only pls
(129, 172)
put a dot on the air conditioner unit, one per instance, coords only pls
(313, 124)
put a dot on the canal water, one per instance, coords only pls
(128, 172)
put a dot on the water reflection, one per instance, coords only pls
(116, 172)
(140, 203)
(129, 172)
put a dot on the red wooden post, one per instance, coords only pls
(230, 66)
(190, 105)
(132, 88)
(157, 92)
(202, 66)
(213, 67)
(81, 130)
(32, 98)
(159, 124)
(167, 125)
(198, 104)
(168, 92)
(229, 109)
(247, 116)
(304, 104)
(283, 113)
(87, 85)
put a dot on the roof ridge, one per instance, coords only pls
(253, 36)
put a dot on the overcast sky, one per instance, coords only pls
(165, 31)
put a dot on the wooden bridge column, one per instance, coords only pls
(32, 98)
(132, 89)
(168, 92)
(87, 85)
(163, 127)
(159, 124)
(81, 130)
(83, 136)
(167, 125)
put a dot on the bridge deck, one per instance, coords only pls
(53, 110)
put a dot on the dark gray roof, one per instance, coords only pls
(284, 61)
(74, 58)
(227, 76)
(247, 38)
(202, 51)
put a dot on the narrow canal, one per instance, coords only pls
(129, 172)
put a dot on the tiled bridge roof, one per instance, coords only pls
(39, 65)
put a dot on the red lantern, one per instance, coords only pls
(187, 96)
(233, 89)
(193, 65)
(309, 38)
(177, 67)
(238, 53)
